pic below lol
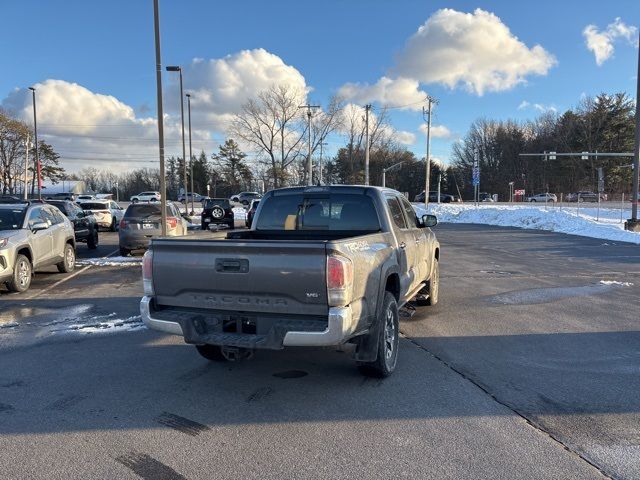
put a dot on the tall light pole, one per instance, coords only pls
(427, 180)
(633, 224)
(320, 162)
(309, 163)
(190, 154)
(35, 132)
(175, 68)
(163, 180)
(366, 146)
(385, 170)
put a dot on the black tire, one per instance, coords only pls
(114, 225)
(211, 352)
(22, 272)
(93, 241)
(135, 200)
(124, 252)
(533, 200)
(388, 341)
(231, 225)
(217, 212)
(153, 200)
(68, 265)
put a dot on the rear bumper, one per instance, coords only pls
(340, 325)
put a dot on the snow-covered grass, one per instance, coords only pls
(571, 220)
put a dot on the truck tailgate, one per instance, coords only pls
(241, 276)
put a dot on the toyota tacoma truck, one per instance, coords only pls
(321, 266)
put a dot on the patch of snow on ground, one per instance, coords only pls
(615, 282)
(572, 221)
(107, 326)
(110, 261)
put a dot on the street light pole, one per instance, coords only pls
(163, 182)
(633, 224)
(427, 180)
(309, 162)
(175, 68)
(190, 154)
(35, 132)
(366, 146)
(385, 170)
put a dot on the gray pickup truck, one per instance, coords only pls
(321, 266)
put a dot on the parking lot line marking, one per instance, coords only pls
(60, 282)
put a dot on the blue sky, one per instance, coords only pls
(107, 48)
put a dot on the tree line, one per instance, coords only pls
(604, 123)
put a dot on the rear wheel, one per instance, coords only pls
(211, 352)
(114, 225)
(21, 279)
(68, 264)
(135, 200)
(124, 252)
(92, 241)
(388, 341)
(429, 294)
(231, 225)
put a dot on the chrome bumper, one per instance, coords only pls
(155, 324)
(340, 327)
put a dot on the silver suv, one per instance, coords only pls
(33, 235)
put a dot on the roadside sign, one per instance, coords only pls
(519, 192)
(476, 176)
(600, 180)
(584, 157)
(552, 155)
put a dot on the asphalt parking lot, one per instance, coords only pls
(529, 367)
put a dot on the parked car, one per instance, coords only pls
(107, 212)
(251, 212)
(33, 235)
(146, 197)
(321, 266)
(582, 196)
(196, 197)
(485, 197)
(543, 197)
(9, 198)
(433, 197)
(61, 196)
(141, 222)
(245, 197)
(84, 224)
(217, 211)
(85, 198)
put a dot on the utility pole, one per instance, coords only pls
(309, 163)
(163, 182)
(633, 224)
(427, 113)
(175, 68)
(35, 131)
(320, 162)
(26, 167)
(190, 154)
(366, 147)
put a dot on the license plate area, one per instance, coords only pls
(227, 324)
(148, 226)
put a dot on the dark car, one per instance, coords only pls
(583, 196)
(84, 224)
(433, 197)
(245, 197)
(217, 211)
(251, 212)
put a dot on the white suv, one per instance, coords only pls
(107, 212)
(146, 197)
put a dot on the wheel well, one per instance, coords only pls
(393, 285)
(437, 254)
(25, 251)
(71, 242)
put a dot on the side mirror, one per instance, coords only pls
(36, 227)
(429, 221)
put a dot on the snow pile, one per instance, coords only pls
(108, 326)
(554, 219)
(110, 262)
(615, 282)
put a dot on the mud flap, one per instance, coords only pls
(367, 345)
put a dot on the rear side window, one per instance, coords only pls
(342, 212)
(396, 212)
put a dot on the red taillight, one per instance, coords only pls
(172, 222)
(124, 224)
(147, 272)
(339, 280)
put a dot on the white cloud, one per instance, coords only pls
(405, 138)
(540, 107)
(399, 92)
(475, 50)
(219, 87)
(601, 43)
(93, 129)
(437, 131)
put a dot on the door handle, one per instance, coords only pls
(403, 245)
